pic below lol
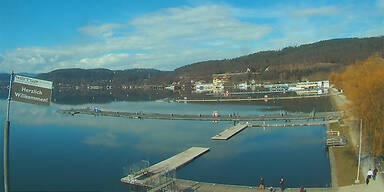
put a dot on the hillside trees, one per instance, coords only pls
(363, 84)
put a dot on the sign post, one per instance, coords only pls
(6, 138)
(28, 90)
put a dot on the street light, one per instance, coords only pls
(358, 164)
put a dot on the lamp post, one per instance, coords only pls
(358, 164)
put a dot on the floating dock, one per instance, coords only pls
(228, 133)
(205, 117)
(142, 177)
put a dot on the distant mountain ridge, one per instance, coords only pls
(294, 62)
(308, 61)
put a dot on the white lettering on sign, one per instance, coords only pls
(31, 91)
(24, 96)
(33, 82)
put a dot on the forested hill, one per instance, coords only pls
(313, 61)
(305, 62)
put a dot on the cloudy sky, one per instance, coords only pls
(44, 35)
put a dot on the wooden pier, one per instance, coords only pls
(204, 117)
(230, 132)
(143, 177)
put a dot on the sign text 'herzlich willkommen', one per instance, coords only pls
(31, 90)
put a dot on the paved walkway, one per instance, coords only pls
(373, 186)
(367, 163)
(214, 187)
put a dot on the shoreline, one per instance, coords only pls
(250, 99)
(350, 127)
(341, 172)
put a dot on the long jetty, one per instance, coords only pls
(145, 176)
(204, 117)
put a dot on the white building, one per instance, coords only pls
(243, 86)
(208, 87)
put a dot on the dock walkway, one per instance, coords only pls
(205, 117)
(143, 177)
(228, 133)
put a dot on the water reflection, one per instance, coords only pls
(106, 97)
(104, 139)
(89, 152)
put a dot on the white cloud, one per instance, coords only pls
(174, 37)
(105, 140)
(101, 31)
(205, 22)
(105, 60)
(318, 11)
(165, 39)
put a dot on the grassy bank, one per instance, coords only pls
(345, 159)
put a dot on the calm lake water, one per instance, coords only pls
(51, 151)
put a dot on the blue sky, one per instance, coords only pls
(43, 35)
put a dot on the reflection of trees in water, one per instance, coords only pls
(3, 94)
(102, 96)
(319, 104)
(303, 105)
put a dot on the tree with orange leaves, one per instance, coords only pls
(363, 85)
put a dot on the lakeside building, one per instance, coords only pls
(95, 87)
(307, 85)
(313, 84)
(243, 86)
(208, 87)
(220, 79)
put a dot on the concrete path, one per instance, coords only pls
(214, 187)
(367, 163)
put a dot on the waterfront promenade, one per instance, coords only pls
(215, 187)
(188, 185)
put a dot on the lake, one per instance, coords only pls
(51, 151)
